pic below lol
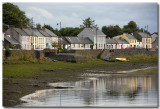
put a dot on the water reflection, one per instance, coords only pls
(133, 89)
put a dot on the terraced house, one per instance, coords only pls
(144, 38)
(129, 38)
(31, 39)
(96, 36)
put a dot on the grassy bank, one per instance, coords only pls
(33, 68)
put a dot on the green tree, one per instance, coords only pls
(111, 30)
(51, 29)
(88, 22)
(131, 27)
(38, 25)
(12, 15)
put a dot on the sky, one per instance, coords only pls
(104, 14)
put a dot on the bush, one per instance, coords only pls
(7, 52)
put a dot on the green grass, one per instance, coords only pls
(33, 68)
(141, 58)
(48, 67)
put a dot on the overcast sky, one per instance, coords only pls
(73, 14)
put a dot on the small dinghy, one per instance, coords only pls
(110, 60)
(122, 59)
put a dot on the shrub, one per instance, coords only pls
(7, 52)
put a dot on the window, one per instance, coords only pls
(78, 45)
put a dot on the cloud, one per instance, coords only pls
(75, 15)
(40, 11)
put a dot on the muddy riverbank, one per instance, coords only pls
(15, 88)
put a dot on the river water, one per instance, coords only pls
(136, 88)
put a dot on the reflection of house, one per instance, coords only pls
(96, 36)
(129, 38)
(144, 38)
(76, 42)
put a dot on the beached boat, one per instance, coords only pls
(122, 59)
(110, 60)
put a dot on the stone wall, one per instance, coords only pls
(116, 52)
(27, 54)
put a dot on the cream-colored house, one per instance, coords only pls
(144, 38)
(129, 38)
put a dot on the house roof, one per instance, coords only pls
(20, 31)
(63, 40)
(29, 31)
(91, 32)
(130, 36)
(44, 33)
(49, 32)
(155, 43)
(142, 34)
(38, 33)
(154, 36)
(110, 41)
(11, 39)
(78, 40)
(121, 41)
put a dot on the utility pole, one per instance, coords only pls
(60, 33)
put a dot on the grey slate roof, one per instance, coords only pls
(90, 32)
(155, 43)
(142, 34)
(78, 40)
(44, 33)
(110, 41)
(121, 41)
(49, 32)
(63, 40)
(154, 36)
(130, 36)
(21, 32)
(11, 39)
(38, 33)
(29, 31)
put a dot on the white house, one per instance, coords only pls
(111, 43)
(49, 40)
(76, 43)
(96, 36)
(122, 44)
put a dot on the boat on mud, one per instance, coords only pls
(122, 59)
(110, 60)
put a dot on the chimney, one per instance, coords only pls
(43, 28)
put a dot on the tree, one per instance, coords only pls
(7, 53)
(51, 29)
(88, 22)
(130, 28)
(111, 30)
(38, 25)
(12, 15)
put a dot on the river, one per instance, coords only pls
(135, 88)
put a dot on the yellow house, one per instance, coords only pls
(144, 38)
(129, 38)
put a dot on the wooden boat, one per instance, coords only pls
(110, 60)
(122, 59)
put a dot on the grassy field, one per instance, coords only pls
(32, 68)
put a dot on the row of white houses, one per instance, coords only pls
(30, 39)
(88, 38)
